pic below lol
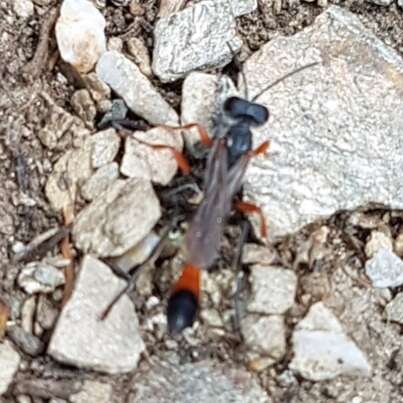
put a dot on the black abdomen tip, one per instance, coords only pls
(182, 309)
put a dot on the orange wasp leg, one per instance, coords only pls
(182, 162)
(248, 208)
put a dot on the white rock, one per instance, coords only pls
(126, 79)
(70, 171)
(198, 104)
(105, 147)
(327, 135)
(118, 219)
(377, 241)
(80, 34)
(322, 350)
(82, 339)
(168, 382)
(400, 3)
(385, 269)
(39, 277)
(265, 335)
(194, 38)
(242, 7)
(143, 161)
(394, 310)
(100, 181)
(23, 8)
(9, 362)
(273, 289)
(381, 2)
(138, 254)
(93, 392)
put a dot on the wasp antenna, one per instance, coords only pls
(288, 75)
(239, 66)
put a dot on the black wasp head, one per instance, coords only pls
(240, 108)
(182, 309)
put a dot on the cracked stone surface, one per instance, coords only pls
(331, 126)
(273, 289)
(118, 219)
(385, 269)
(126, 79)
(265, 337)
(82, 339)
(105, 147)
(142, 161)
(195, 38)
(100, 181)
(322, 350)
(169, 382)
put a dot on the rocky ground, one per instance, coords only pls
(320, 304)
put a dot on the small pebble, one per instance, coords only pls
(385, 269)
(80, 34)
(38, 277)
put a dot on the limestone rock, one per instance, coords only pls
(194, 38)
(81, 339)
(322, 350)
(118, 219)
(126, 79)
(329, 137)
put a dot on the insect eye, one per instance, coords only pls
(234, 106)
(259, 114)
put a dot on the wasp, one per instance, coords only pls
(231, 151)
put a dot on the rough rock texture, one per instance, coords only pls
(198, 103)
(142, 161)
(100, 181)
(70, 171)
(93, 392)
(385, 269)
(39, 277)
(118, 219)
(80, 34)
(126, 79)
(241, 7)
(105, 146)
(378, 240)
(273, 289)
(82, 339)
(170, 382)
(265, 337)
(381, 2)
(331, 125)
(322, 350)
(9, 362)
(194, 38)
(394, 310)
